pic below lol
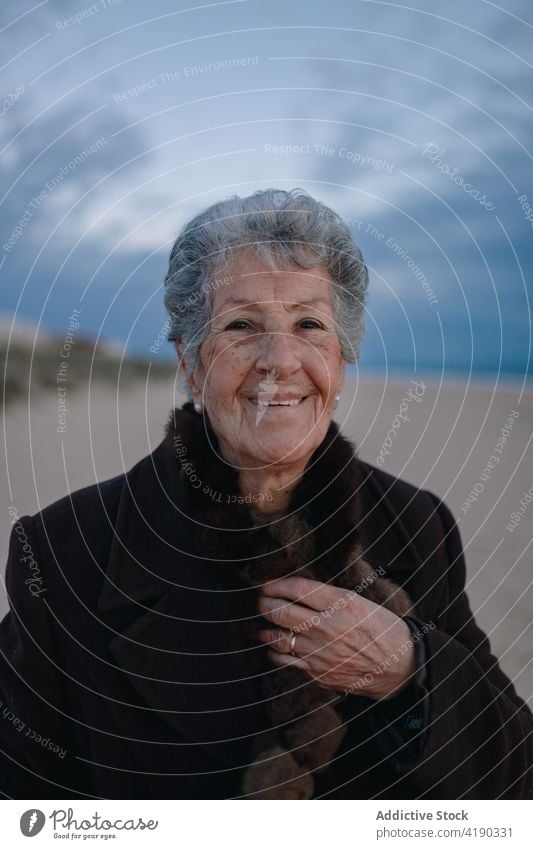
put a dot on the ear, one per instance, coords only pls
(196, 389)
(192, 383)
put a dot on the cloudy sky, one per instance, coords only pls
(120, 120)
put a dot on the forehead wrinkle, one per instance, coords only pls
(254, 303)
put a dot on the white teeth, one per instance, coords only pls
(291, 403)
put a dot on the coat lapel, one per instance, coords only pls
(387, 541)
(169, 612)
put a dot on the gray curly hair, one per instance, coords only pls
(283, 228)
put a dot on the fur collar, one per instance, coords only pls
(325, 501)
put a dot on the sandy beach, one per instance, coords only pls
(469, 444)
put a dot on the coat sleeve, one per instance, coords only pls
(34, 755)
(479, 741)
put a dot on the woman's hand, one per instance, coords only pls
(343, 641)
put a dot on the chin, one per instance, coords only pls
(280, 449)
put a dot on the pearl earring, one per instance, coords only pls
(337, 399)
(198, 407)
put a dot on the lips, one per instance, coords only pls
(278, 402)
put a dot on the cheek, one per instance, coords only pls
(225, 366)
(325, 363)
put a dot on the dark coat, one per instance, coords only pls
(113, 686)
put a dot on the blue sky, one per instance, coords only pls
(120, 120)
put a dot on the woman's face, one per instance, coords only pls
(272, 338)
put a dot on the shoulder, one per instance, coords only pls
(415, 532)
(81, 509)
(406, 499)
(85, 507)
(69, 541)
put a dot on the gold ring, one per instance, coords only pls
(292, 644)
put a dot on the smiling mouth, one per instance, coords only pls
(292, 402)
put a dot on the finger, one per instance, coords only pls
(313, 594)
(279, 660)
(286, 614)
(278, 640)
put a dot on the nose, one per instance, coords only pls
(279, 352)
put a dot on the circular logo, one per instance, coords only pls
(32, 822)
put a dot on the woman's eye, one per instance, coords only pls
(233, 325)
(240, 324)
(313, 322)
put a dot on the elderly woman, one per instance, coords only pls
(252, 611)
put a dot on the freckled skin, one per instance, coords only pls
(295, 350)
